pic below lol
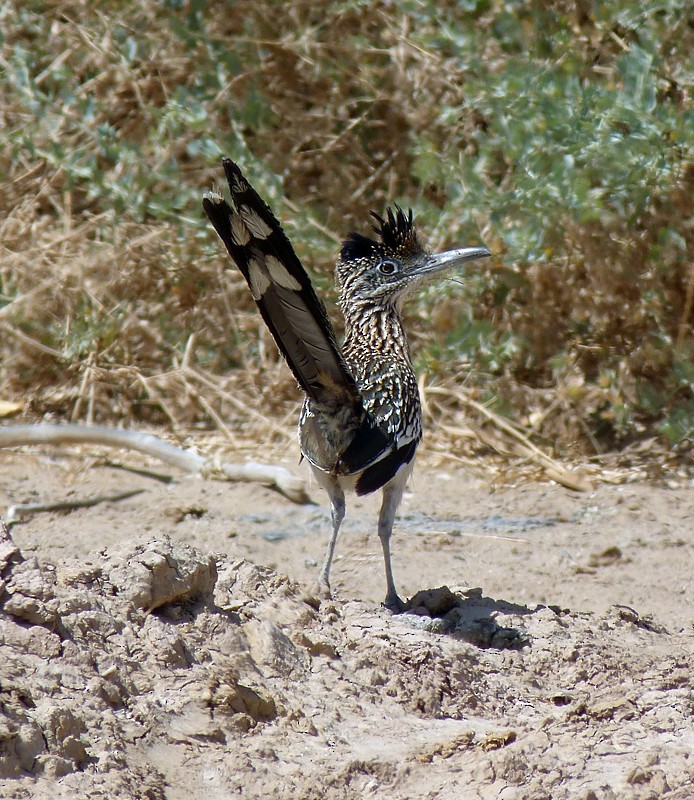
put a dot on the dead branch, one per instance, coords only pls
(18, 512)
(277, 478)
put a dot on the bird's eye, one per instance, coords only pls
(388, 267)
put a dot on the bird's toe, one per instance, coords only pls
(395, 604)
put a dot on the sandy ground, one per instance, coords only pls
(169, 645)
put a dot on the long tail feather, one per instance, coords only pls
(301, 329)
(282, 290)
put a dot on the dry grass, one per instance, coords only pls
(115, 301)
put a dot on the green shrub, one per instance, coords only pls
(560, 134)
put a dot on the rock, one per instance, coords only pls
(273, 651)
(159, 572)
(435, 602)
(28, 593)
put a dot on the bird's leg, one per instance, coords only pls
(392, 494)
(337, 513)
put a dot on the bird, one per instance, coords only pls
(361, 419)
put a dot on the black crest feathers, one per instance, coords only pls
(396, 233)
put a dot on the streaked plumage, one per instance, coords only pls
(361, 420)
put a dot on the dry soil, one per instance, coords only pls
(171, 645)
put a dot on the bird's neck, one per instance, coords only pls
(375, 329)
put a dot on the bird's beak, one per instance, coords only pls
(450, 259)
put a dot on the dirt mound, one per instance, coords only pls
(153, 670)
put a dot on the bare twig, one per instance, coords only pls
(19, 511)
(31, 342)
(209, 410)
(154, 394)
(519, 444)
(278, 478)
(11, 308)
(241, 406)
(312, 221)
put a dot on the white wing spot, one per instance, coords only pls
(256, 225)
(239, 185)
(213, 196)
(280, 275)
(239, 232)
(259, 280)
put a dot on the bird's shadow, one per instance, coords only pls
(468, 615)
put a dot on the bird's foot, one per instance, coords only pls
(322, 589)
(394, 603)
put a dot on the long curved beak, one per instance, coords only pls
(450, 259)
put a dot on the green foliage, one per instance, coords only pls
(561, 135)
(580, 140)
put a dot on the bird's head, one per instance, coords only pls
(385, 270)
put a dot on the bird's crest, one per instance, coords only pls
(396, 232)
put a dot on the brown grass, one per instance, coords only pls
(116, 304)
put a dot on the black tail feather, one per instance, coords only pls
(282, 290)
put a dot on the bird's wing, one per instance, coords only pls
(282, 291)
(391, 398)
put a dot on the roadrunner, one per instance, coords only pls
(361, 420)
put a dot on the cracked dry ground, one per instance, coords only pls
(156, 648)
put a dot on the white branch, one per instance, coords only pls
(278, 478)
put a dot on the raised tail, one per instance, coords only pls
(282, 291)
(338, 435)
